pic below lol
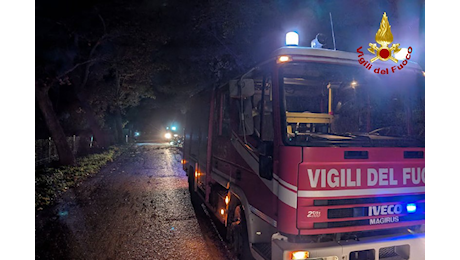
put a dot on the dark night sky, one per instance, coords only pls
(240, 33)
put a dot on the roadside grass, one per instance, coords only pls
(51, 182)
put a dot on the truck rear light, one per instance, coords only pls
(298, 255)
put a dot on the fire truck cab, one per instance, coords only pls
(310, 155)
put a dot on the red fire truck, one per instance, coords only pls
(311, 155)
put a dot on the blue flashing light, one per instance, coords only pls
(292, 38)
(411, 208)
(136, 133)
(173, 128)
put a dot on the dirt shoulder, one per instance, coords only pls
(137, 207)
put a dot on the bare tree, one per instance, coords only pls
(66, 156)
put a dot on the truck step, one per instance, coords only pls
(264, 249)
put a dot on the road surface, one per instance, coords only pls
(137, 207)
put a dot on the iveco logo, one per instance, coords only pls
(385, 210)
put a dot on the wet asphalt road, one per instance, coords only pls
(137, 207)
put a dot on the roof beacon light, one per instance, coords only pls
(292, 38)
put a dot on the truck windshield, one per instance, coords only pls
(346, 105)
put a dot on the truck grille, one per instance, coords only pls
(337, 202)
(356, 212)
(374, 213)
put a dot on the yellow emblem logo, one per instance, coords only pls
(384, 37)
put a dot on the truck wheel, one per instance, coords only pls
(237, 233)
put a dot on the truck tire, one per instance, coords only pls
(237, 233)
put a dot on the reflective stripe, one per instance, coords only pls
(287, 185)
(358, 192)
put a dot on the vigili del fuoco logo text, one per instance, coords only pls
(384, 37)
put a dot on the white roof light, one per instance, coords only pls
(292, 38)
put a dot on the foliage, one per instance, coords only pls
(97, 52)
(124, 53)
(51, 182)
(117, 53)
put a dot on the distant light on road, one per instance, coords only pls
(168, 135)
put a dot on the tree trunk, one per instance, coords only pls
(118, 125)
(93, 123)
(66, 156)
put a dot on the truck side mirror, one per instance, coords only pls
(266, 160)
